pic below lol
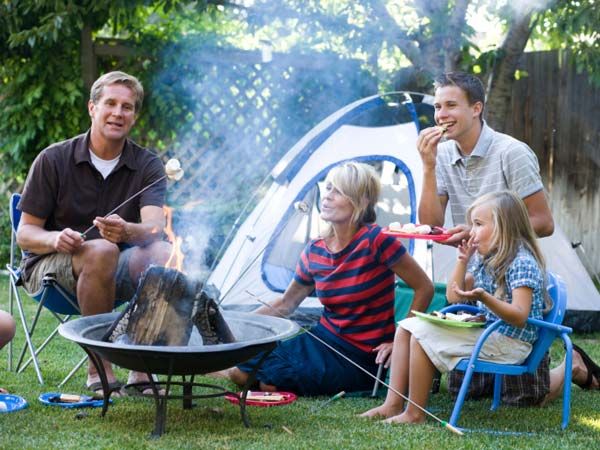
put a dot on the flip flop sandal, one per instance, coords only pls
(143, 388)
(96, 387)
(593, 370)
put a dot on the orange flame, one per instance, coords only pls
(176, 258)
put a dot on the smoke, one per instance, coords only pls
(234, 114)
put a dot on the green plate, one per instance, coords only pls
(448, 323)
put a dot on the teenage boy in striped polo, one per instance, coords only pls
(463, 158)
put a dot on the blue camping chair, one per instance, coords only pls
(548, 330)
(51, 296)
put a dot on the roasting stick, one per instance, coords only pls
(174, 172)
(358, 366)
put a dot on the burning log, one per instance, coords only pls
(166, 308)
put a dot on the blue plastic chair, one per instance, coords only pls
(548, 330)
(51, 296)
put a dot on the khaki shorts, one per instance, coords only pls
(446, 346)
(60, 266)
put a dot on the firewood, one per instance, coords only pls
(165, 308)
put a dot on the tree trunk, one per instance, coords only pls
(88, 60)
(502, 77)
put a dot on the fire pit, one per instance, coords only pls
(254, 334)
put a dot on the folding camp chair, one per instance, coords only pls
(548, 330)
(51, 296)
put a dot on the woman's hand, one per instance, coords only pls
(466, 250)
(383, 354)
(474, 294)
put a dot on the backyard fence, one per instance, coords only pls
(556, 110)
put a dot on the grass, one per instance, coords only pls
(214, 423)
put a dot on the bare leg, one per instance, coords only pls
(557, 377)
(240, 378)
(7, 328)
(394, 404)
(421, 376)
(7, 332)
(155, 253)
(94, 267)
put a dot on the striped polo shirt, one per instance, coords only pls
(355, 285)
(497, 162)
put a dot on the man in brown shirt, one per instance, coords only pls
(75, 183)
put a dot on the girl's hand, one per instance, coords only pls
(383, 353)
(466, 250)
(474, 294)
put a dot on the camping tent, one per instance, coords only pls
(380, 130)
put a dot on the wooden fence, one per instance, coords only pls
(557, 112)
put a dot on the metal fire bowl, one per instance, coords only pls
(254, 333)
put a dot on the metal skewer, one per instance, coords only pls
(358, 366)
(126, 201)
(377, 381)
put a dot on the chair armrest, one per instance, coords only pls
(471, 309)
(551, 326)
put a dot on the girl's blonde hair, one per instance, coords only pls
(359, 183)
(512, 229)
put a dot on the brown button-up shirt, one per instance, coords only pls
(65, 188)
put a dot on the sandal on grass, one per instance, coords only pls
(593, 370)
(96, 388)
(143, 388)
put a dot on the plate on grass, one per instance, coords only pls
(446, 322)
(259, 398)
(11, 403)
(70, 400)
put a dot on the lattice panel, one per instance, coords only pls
(243, 117)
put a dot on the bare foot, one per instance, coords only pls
(3, 391)
(405, 417)
(382, 411)
(223, 374)
(580, 372)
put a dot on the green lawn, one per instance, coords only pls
(214, 423)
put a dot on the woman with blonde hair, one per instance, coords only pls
(351, 269)
(506, 277)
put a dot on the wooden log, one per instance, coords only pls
(164, 310)
(210, 323)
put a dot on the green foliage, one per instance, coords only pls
(574, 25)
(41, 88)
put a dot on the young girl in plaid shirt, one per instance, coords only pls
(506, 278)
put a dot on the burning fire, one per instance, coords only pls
(176, 258)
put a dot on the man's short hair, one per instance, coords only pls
(118, 77)
(470, 85)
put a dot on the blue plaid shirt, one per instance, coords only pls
(524, 271)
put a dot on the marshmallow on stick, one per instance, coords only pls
(173, 169)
